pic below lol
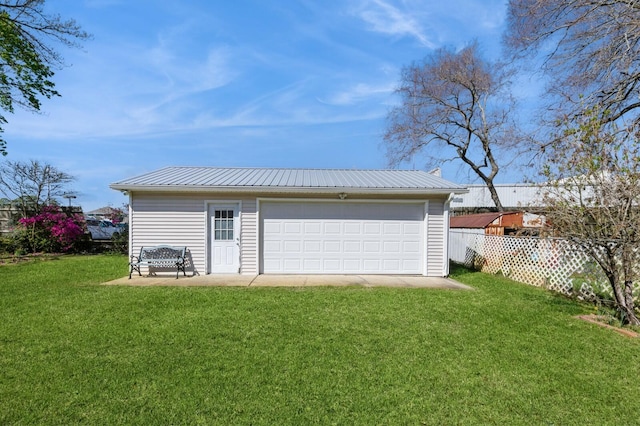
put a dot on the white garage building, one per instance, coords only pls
(295, 221)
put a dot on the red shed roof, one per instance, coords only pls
(480, 220)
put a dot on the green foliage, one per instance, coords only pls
(23, 75)
(74, 351)
(6, 244)
(26, 57)
(591, 284)
(120, 241)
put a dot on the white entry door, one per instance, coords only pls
(224, 239)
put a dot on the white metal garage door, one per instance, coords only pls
(342, 237)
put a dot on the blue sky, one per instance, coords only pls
(291, 83)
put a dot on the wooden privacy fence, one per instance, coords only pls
(544, 262)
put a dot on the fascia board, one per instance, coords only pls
(286, 190)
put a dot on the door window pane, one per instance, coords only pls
(223, 225)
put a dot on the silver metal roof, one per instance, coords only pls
(286, 180)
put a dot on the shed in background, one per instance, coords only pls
(464, 229)
(498, 223)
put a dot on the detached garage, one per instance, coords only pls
(295, 221)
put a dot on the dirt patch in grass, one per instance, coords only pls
(603, 321)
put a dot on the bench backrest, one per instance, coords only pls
(161, 252)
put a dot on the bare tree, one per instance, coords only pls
(27, 56)
(32, 185)
(459, 103)
(590, 49)
(594, 201)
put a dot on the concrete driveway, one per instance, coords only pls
(292, 281)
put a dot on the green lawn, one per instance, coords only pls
(72, 351)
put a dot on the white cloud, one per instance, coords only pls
(297, 104)
(186, 77)
(358, 93)
(177, 80)
(140, 89)
(185, 72)
(383, 17)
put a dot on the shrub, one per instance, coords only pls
(50, 231)
(121, 241)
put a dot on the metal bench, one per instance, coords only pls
(159, 257)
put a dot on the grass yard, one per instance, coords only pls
(72, 351)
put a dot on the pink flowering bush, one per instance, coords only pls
(116, 215)
(50, 231)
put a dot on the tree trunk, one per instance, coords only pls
(494, 196)
(487, 179)
(624, 301)
(630, 311)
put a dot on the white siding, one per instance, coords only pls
(249, 238)
(176, 220)
(181, 220)
(436, 239)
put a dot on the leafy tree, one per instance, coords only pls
(33, 184)
(27, 59)
(594, 201)
(459, 103)
(117, 214)
(590, 49)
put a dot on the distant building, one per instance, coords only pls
(519, 196)
(105, 213)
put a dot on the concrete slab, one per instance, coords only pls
(236, 280)
(307, 280)
(217, 280)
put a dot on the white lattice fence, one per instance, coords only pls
(552, 263)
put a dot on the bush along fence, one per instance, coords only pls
(556, 264)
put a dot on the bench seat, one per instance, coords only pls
(162, 256)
